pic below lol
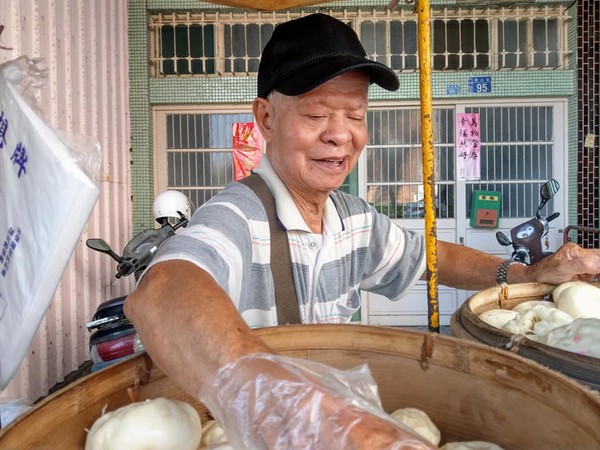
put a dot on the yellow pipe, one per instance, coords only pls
(424, 28)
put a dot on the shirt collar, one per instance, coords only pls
(287, 211)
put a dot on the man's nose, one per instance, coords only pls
(338, 131)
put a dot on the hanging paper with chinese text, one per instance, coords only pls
(468, 146)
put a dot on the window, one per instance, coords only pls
(186, 49)
(394, 162)
(243, 46)
(516, 156)
(512, 43)
(194, 152)
(199, 44)
(460, 44)
(184, 44)
(528, 43)
(392, 43)
(517, 143)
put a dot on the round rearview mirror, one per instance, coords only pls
(549, 189)
(99, 245)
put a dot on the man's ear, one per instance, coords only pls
(263, 116)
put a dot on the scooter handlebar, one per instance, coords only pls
(553, 216)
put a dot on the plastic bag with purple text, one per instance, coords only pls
(48, 188)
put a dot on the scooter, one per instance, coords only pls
(113, 336)
(526, 238)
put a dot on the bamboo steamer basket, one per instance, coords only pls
(466, 324)
(471, 391)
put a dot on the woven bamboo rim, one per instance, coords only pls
(466, 324)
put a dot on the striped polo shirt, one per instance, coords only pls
(359, 249)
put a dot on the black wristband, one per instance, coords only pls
(503, 270)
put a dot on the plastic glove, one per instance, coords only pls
(265, 401)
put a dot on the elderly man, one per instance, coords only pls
(211, 284)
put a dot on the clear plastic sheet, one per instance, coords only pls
(267, 401)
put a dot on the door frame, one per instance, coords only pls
(458, 230)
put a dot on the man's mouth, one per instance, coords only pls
(334, 162)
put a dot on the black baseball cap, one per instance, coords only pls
(306, 52)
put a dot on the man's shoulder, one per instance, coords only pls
(235, 199)
(235, 193)
(350, 205)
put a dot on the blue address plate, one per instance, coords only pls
(480, 85)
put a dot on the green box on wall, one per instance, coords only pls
(485, 209)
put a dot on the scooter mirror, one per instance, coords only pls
(100, 245)
(549, 189)
(502, 239)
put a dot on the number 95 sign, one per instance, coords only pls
(480, 85)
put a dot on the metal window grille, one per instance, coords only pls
(531, 42)
(198, 158)
(243, 45)
(198, 154)
(516, 156)
(228, 44)
(182, 45)
(394, 162)
(461, 44)
(517, 145)
(390, 42)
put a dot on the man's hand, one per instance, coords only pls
(268, 401)
(570, 262)
(466, 268)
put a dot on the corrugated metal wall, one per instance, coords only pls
(84, 44)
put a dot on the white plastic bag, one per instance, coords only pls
(48, 189)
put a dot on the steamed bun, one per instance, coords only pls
(579, 300)
(159, 424)
(498, 317)
(419, 422)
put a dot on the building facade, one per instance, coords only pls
(159, 83)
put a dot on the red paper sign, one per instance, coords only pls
(247, 149)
